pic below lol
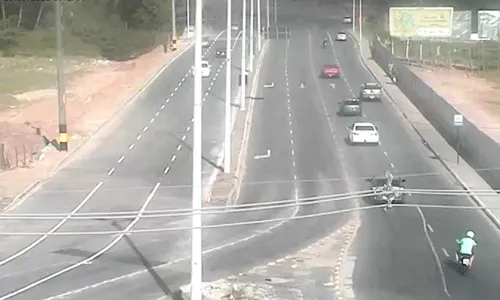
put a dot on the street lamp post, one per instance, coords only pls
(252, 31)
(360, 25)
(267, 15)
(259, 30)
(354, 16)
(275, 12)
(196, 231)
(174, 22)
(188, 17)
(227, 103)
(243, 57)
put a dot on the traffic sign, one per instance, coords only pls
(458, 120)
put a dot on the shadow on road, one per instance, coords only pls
(175, 295)
(203, 157)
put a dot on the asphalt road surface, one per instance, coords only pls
(399, 252)
(405, 253)
(143, 163)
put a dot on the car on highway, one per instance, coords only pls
(370, 91)
(206, 69)
(330, 71)
(205, 43)
(235, 27)
(347, 20)
(341, 36)
(383, 193)
(220, 53)
(363, 133)
(350, 107)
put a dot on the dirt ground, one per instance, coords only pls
(93, 95)
(476, 97)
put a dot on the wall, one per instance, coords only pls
(479, 150)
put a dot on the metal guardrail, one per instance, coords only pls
(478, 149)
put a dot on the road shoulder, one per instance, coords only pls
(20, 182)
(464, 174)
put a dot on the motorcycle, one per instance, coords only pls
(464, 264)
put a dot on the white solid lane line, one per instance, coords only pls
(53, 229)
(80, 205)
(90, 258)
(84, 201)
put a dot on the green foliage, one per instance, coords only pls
(114, 29)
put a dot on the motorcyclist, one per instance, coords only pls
(392, 70)
(325, 42)
(466, 246)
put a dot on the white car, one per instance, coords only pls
(235, 27)
(341, 36)
(363, 133)
(347, 20)
(206, 69)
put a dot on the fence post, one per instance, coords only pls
(420, 54)
(3, 163)
(498, 52)
(470, 59)
(16, 154)
(482, 59)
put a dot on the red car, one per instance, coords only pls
(330, 71)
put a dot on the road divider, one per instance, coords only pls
(226, 188)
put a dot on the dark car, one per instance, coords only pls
(330, 71)
(383, 195)
(350, 107)
(220, 53)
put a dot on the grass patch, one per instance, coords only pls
(7, 102)
(494, 106)
(21, 73)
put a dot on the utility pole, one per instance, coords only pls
(196, 233)
(227, 103)
(252, 31)
(243, 57)
(259, 30)
(61, 84)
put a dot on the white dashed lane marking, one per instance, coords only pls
(172, 94)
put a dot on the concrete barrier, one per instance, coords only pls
(478, 149)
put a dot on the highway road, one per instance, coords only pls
(405, 253)
(142, 162)
(401, 253)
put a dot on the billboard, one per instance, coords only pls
(489, 24)
(462, 25)
(421, 22)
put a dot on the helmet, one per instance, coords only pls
(470, 234)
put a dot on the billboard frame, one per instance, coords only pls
(448, 10)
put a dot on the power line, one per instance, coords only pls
(249, 183)
(243, 207)
(257, 222)
(189, 212)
